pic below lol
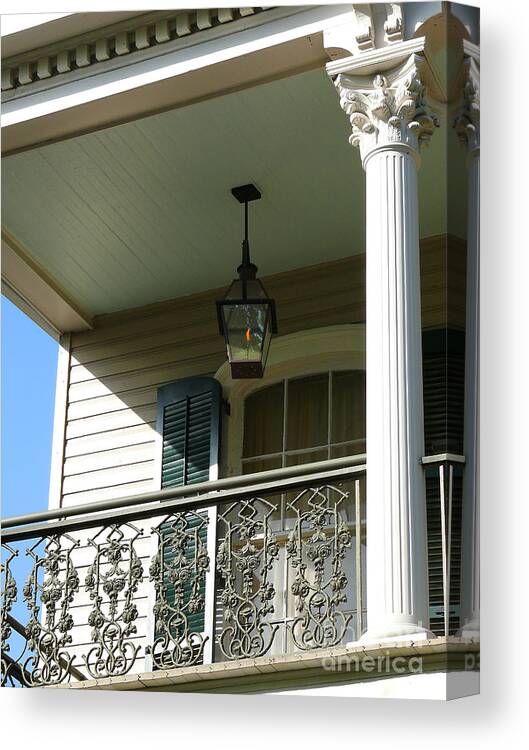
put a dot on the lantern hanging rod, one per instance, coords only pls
(245, 194)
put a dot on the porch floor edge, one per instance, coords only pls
(358, 662)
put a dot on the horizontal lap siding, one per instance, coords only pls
(117, 367)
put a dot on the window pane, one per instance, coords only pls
(349, 408)
(308, 404)
(250, 467)
(349, 449)
(306, 458)
(263, 421)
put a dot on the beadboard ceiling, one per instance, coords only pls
(142, 212)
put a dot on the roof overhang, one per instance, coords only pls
(34, 291)
(137, 82)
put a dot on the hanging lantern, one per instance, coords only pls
(247, 315)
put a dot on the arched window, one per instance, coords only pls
(304, 419)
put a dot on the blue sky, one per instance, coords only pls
(29, 366)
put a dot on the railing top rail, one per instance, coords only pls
(161, 502)
(439, 458)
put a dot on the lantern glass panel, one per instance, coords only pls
(247, 331)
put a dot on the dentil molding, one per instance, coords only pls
(119, 41)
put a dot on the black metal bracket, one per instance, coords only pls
(246, 193)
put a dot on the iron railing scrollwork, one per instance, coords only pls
(178, 571)
(246, 555)
(9, 597)
(270, 567)
(320, 622)
(52, 585)
(112, 581)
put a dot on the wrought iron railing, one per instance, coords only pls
(267, 563)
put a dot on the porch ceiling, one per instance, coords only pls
(142, 212)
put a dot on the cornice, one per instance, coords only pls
(376, 60)
(146, 34)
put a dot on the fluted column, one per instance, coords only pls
(389, 122)
(467, 125)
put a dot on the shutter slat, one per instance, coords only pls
(443, 389)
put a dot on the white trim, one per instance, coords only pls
(175, 62)
(98, 60)
(18, 112)
(18, 299)
(59, 422)
(32, 289)
(376, 60)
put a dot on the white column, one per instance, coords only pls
(467, 125)
(389, 123)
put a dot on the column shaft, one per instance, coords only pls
(390, 120)
(396, 549)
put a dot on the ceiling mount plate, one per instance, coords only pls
(246, 193)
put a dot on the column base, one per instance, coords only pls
(396, 631)
(470, 629)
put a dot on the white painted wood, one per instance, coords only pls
(396, 514)
(25, 74)
(113, 421)
(7, 78)
(161, 31)
(110, 440)
(204, 18)
(297, 23)
(183, 24)
(63, 62)
(82, 55)
(189, 349)
(141, 37)
(102, 50)
(396, 548)
(116, 475)
(142, 378)
(107, 493)
(44, 68)
(225, 15)
(93, 406)
(59, 422)
(122, 45)
(32, 288)
(114, 201)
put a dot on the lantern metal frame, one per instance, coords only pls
(247, 272)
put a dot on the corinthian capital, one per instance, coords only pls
(388, 109)
(467, 121)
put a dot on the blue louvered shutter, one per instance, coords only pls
(188, 422)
